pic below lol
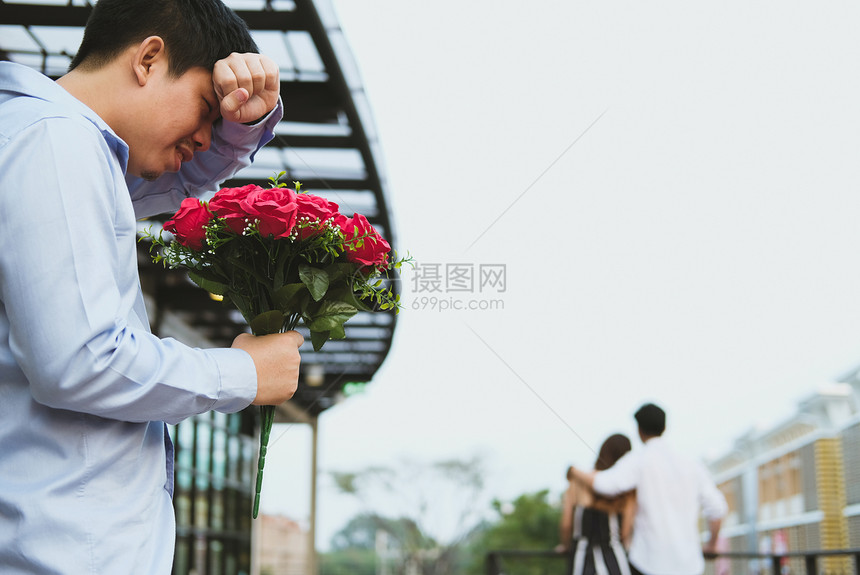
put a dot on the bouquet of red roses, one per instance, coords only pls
(281, 256)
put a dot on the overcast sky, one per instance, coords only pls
(672, 191)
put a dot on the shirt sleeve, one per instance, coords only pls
(620, 478)
(70, 291)
(712, 500)
(233, 147)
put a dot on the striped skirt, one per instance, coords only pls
(597, 543)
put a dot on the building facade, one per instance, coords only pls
(282, 546)
(215, 466)
(795, 486)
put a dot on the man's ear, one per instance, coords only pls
(149, 56)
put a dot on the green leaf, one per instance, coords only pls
(211, 286)
(249, 269)
(283, 267)
(208, 285)
(315, 279)
(345, 294)
(318, 339)
(288, 298)
(242, 304)
(268, 322)
(362, 305)
(331, 314)
(339, 270)
(337, 332)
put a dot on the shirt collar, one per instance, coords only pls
(656, 440)
(30, 83)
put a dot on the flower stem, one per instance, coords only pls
(267, 418)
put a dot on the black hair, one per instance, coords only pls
(611, 451)
(651, 420)
(195, 32)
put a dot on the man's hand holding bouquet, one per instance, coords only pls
(281, 257)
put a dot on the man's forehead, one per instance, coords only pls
(201, 79)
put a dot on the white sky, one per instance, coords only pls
(697, 246)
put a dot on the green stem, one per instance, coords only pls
(232, 260)
(267, 418)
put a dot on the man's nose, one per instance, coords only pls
(202, 138)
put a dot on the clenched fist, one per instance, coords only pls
(277, 360)
(247, 86)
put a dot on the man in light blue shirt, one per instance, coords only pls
(86, 466)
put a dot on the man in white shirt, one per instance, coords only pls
(671, 490)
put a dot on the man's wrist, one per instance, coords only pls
(264, 117)
(258, 120)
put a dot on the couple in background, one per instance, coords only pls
(637, 512)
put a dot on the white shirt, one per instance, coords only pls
(671, 490)
(86, 467)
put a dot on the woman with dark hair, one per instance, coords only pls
(598, 529)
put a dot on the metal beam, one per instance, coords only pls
(308, 183)
(289, 412)
(315, 102)
(76, 16)
(284, 21)
(327, 142)
(30, 15)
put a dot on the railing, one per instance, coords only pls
(810, 558)
(551, 562)
(494, 560)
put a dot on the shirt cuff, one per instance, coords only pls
(601, 487)
(256, 135)
(238, 379)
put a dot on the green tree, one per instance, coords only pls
(530, 522)
(352, 561)
(437, 505)
(362, 530)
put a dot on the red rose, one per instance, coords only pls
(315, 207)
(339, 220)
(275, 208)
(226, 204)
(373, 250)
(187, 223)
(313, 211)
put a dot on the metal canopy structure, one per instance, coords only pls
(326, 141)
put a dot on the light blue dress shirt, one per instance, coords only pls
(85, 388)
